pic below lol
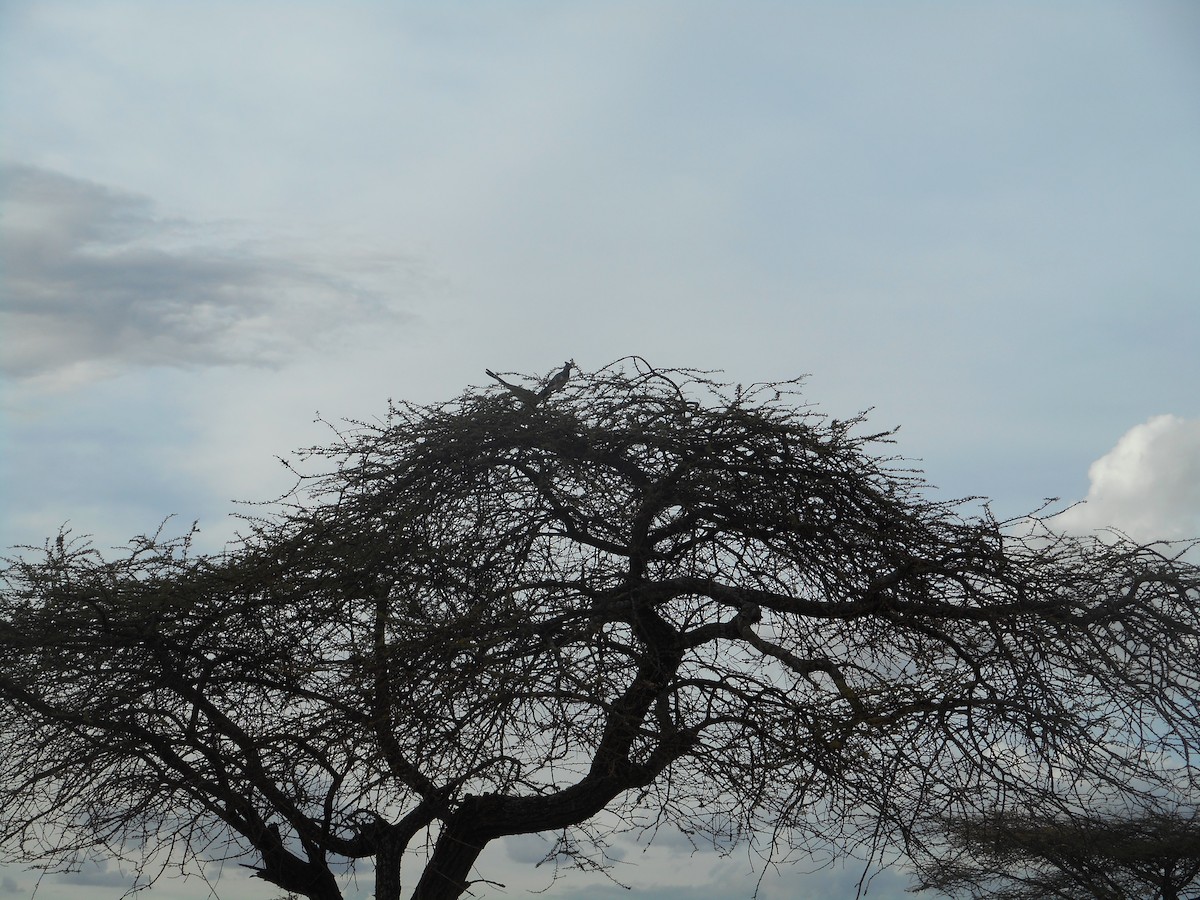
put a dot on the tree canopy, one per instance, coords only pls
(697, 606)
(1113, 854)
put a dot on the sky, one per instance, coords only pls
(219, 221)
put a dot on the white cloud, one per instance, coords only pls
(1148, 485)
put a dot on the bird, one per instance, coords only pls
(558, 380)
(525, 395)
(533, 398)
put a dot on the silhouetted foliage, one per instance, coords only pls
(1141, 855)
(695, 606)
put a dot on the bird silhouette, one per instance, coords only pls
(525, 395)
(558, 380)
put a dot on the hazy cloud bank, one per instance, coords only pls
(94, 280)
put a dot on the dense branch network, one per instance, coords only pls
(692, 605)
(1103, 850)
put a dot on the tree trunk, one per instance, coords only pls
(446, 875)
(387, 872)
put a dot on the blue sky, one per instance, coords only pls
(220, 219)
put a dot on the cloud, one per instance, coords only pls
(527, 848)
(1148, 485)
(96, 874)
(95, 280)
(8, 885)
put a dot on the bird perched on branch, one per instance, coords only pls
(525, 395)
(558, 380)
(533, 398)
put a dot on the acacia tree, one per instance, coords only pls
(691, 605)
(1109, 855)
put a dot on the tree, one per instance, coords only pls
(1114, 855)
(689, 605)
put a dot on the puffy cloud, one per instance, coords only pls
(1148, 485)
(95, 280)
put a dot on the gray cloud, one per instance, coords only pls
(527, 848)
(96, 874)
(93, 277)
